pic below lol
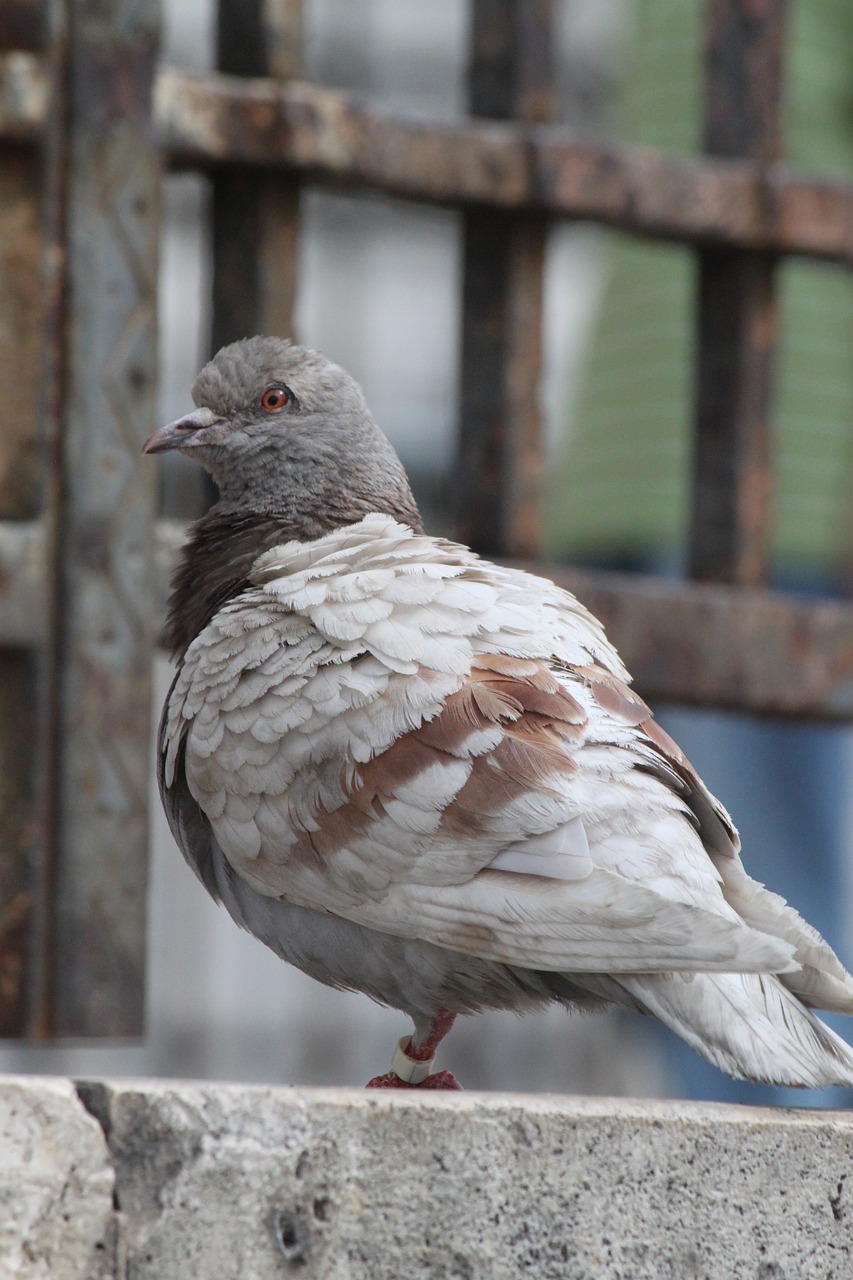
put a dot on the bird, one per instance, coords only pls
(423, 776)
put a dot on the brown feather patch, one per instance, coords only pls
(614, 696)
(532, 747)
(531, 684)
(494, 700)
(669, 748)
(537, 718)
(530, 670)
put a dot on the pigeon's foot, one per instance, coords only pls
(414, 1058)
(438, 1080)
(389, 1081)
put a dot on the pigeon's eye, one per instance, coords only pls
(273, 399)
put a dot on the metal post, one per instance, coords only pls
(255, 216)
(499, 465)
(737, 307)
(99, 725)
(22, 494)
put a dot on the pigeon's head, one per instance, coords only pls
(280, 427)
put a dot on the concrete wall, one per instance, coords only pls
(164, 1181)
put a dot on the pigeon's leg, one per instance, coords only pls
(413, 1060)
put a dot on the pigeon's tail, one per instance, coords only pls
(748, 1024)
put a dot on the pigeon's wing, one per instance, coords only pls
(388, 729)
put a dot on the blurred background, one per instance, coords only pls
(379, 287)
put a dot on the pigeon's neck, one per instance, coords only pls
(214, 566)
(222, 547)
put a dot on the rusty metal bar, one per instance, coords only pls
(499, 450)
(255, 215)
(696, 643)
(737, 308)
(210, 120)
(699, 643)
(105, 623)
(21, 496)
(331, 137)
(706, 644)
(54, 206)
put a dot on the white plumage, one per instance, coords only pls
(424, 776)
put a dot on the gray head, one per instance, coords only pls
(282, 429)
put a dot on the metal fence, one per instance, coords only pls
(88, 123)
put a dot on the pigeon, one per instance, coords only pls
(423, 776)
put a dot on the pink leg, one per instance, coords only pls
(420, 1049)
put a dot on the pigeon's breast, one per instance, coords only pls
(342, 715)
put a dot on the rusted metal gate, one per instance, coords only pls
(87, 122)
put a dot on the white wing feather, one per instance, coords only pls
(342, 647)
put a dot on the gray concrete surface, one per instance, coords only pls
(217, 1182)
(56, 1185)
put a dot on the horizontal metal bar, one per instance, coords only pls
(212, 119)
(694, 643)
(23, 578)
(717, 645)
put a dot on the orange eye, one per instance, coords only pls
(273, 399)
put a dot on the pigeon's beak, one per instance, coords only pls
(180, 432)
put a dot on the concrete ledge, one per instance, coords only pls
(218, 1182)
(56, 1185)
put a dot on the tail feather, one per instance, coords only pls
(821, 981)
(749, 1025)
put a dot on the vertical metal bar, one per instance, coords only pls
(54, 175)
(255, 216)
(499, 465)
(104, 581)
(21, 498)
(737, 307)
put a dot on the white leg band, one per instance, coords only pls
(412, 1070)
